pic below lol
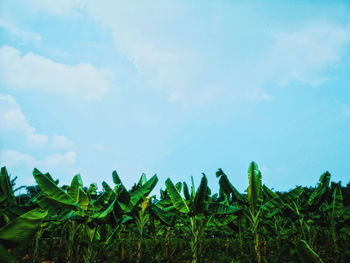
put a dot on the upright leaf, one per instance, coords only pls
(201, 194)
(254, 188)
(116, 178)
(5, 186)
(176, 198)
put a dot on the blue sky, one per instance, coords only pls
(175, 88)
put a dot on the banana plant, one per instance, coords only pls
(135, 205)
(197, 209)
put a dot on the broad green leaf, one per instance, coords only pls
(5, 187)
(116, 178)
(337, 203)
(83, 199)
(186, 191)
(306, 254)
(176, 198)
(52, 190)
(23, 227)
(73, 190)
(221, 209)
(254, 188)
(143, 191)
(228, 188)
(201, 194)
(166, 217)
(143, 179)
(320, 190)
(105, 213)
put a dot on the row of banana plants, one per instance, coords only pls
(76, 223)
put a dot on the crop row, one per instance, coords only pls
(74, 223)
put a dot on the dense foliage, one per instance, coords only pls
(75, 223)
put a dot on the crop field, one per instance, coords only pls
(184, 223)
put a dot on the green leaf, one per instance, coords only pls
(105, 213)
(176, 198)
(83, 199)
(166, 217)
(201, 194)
(116, 178)
(337, 203)
(306, 254)
(23, 227)
(186, 191)
(5, 186)
(52, 190)
(73, 190)
(320, 190)
(221, 209)
(143, 191)
(228, 188)
(254, 188)
(143, 179)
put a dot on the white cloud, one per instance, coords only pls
(304, 54)
(61, 142)
(62, 7)
(12, 158)
(13, 120)
(25, 35)
(33, 72)
(181, 53)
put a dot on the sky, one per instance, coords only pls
(175, 88)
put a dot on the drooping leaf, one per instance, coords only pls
(23, 227)
(166, 217)
(319, 192)
(306, 254)
(228, 188)
(176, 198)
(221, 209)
(52, 190)
(143, 191)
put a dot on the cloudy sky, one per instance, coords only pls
(175, 88)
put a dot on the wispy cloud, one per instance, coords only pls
(12, 158)
(24, 35)
(304, 54)
(14, 121)
(33, 72)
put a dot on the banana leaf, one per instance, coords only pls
(52, 190)
(176, 198)
(254, 189)
(306, 254)
(201, 194)
(143, 191)
(6, 191)
(23, 227)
